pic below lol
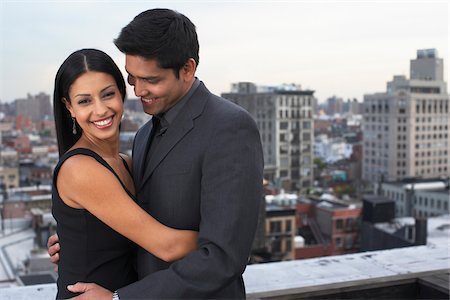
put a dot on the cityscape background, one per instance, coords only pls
(352, 104)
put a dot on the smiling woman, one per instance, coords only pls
(96, 104)
(93, 198)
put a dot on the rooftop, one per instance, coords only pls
(312, 278)
(339, 276)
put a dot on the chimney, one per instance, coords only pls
(421, 231)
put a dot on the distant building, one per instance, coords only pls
(9, 157)
(329, 226)
(280, 232)
(18, 202)
(380, 230)
(406, 128)
(331, 149)
(35, 174)
(352, 107)
(9, 177)
(37, 107)
(417, 197)
(282, 199)
(284, 118)
(23, 145)
(334, 106)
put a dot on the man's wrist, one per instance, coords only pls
(115, 296)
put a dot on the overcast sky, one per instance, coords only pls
(342, 48)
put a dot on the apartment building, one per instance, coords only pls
(280, 232)
(406, 128)
(417, 197)
(36, 107)
(284, 118)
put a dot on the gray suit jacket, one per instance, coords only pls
(205, 175)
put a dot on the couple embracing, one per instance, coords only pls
(178, 219)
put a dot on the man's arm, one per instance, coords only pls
(231, 191)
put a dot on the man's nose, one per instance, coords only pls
(140, 89)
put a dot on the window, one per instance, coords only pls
(288, 245)
(288, 225)
(275, 227)
(348, 242)
(339, 224)
(306, 125)
(349, 224)
(276, 245)
(283, 125)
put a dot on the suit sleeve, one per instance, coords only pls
(231, 192)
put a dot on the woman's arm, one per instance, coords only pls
(84, 183)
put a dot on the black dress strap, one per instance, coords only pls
(127, 167)
(99, 159)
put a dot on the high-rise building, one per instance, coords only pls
(406, 129)
(36, 107)
(334, 106)
(285, 121)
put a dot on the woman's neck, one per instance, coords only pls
(105, 148)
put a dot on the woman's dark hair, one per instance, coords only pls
(73, 67)
(161, 34)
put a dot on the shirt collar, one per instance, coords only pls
(172, 113)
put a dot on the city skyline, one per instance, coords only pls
(342, 48)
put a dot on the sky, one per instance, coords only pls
(336, 48)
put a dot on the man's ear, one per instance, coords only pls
(189, 68)
(68, 106)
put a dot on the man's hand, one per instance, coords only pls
(53, 250)
(90, 291)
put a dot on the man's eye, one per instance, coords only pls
(152, 80)
(130, 80)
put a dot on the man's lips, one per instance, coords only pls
(149, 100)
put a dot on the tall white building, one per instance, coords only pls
(285, 121)
(406, 129)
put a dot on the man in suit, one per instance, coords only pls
(201, 169)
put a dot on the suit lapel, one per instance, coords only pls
(139, 153)
(183, 123)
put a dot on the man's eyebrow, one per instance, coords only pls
(142, 77)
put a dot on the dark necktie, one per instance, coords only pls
(153, 139)
(156, 121)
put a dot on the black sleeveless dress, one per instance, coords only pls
(90, 250)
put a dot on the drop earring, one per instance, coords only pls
(74, 127)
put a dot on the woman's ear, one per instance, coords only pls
(68, 106)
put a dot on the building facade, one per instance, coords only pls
(417, 198)
(406, 129)
(280, 232)
(36, 107)
(284, 118)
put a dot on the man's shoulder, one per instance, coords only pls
(228, 108)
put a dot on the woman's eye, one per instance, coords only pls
(83, 101)
(109, 95)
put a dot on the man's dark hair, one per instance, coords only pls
(161, 34)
